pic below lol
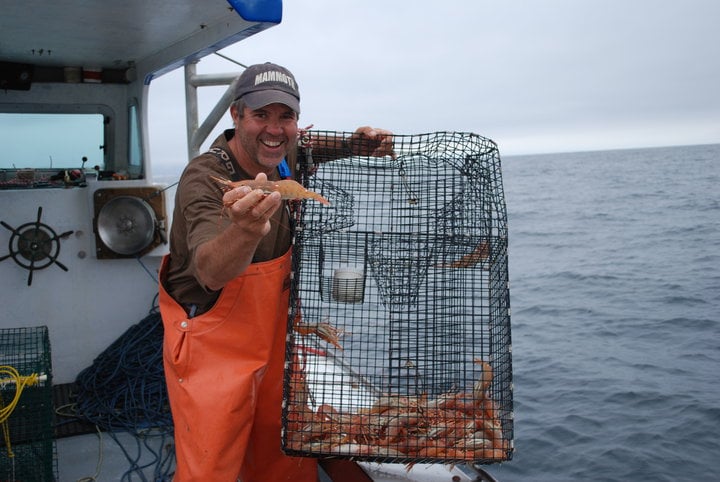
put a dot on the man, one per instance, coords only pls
(225, 286)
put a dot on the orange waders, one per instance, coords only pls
(224, 371)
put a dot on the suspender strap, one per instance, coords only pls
(234, 171)
(224, 158)
(284, 169)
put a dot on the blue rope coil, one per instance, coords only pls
(124, 390)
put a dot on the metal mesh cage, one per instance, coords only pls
(399, 331)
(27, 448)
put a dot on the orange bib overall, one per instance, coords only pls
(224, 371)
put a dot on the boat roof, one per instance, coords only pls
(150, 36)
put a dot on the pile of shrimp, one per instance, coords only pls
(454, 427)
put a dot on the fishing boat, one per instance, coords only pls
(85, 222)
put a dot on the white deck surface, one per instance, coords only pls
(93, 457)
(87, 458)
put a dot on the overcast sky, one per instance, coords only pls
(534, 76)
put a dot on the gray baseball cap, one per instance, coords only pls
(268, 83)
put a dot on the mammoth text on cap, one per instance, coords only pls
(275, 76)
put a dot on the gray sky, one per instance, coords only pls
(534, 76)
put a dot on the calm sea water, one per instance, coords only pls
(615, 293)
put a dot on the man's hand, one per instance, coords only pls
(250, 209)
(370, 141)
(228, 255)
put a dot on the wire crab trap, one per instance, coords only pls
(27, 447)
(399, 331)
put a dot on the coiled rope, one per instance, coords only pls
(10, 375)
(124, 390)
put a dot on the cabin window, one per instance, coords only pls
(134, 149)
(51, 141)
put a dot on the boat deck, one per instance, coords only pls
(86, 454)
(99, 457)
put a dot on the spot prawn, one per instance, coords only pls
(287, 188)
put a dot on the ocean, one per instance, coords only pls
(614, 261)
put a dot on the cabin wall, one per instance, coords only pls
(92, 303)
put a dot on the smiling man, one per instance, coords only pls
(224, 288)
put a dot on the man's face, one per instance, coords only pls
(265, 135)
